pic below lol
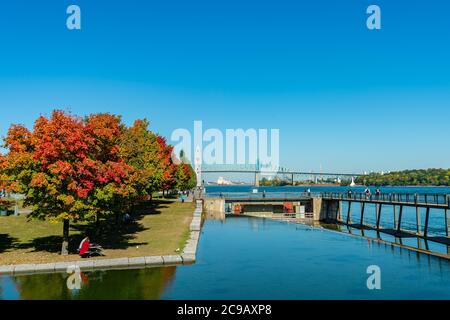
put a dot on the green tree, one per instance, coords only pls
(429, 177)
(140, 149)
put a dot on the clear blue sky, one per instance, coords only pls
(344, 97)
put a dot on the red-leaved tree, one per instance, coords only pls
(67, 167)
(167, 166)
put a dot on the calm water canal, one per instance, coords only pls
(250, 258)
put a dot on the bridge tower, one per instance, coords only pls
(257, 173)
(198, 166)
(257, 179)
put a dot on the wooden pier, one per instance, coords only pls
(327, 207)
(332, 204)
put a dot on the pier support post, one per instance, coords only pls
(447, 223)
(349, 213)
(418, 220)
(400, 216)
(327, 204)
(376, 214)
(395, 217)
(363, 207)
(379, 215)
(339, 215)
(427, 218)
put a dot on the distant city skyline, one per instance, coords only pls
(343, 97)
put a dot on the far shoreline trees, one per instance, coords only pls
(423, 177)
(78, 169)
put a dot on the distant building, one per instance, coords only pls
(223, 182)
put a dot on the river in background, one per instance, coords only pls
(437, 216)
(248, 188)
(252, 258)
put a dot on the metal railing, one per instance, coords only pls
(261, 195)
(405, 198)
(395, 198)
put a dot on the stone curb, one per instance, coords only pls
(189, 255)
(45, 267)
(188, 259)
(103, 264)
(172, 260)
(24, 268)
(154, 261)
(137, 262)
(124, 262)
(6, 270)
(62, 266)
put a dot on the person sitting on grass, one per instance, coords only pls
(87, 250)
(85, 245)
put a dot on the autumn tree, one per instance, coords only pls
(185, 176)
(150, 156)
(115, 190)
(167, 165)
(139, 148)
(79, 169)
(67, 167)
(3, 175)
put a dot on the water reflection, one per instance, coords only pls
(407, 240)
(252, 258)
(143, 284)
(214, 215)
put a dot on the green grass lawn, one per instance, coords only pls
(161, 228)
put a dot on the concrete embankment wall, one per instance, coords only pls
(188, 256)
(215, 205)
(322, 210)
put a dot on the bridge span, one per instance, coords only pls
(259, 172)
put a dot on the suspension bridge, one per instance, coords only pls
(258, 172)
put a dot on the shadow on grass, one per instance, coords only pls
(109, 233)
(49, 244)
(144, 208)
(6, 242)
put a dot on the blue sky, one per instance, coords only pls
(344, 98)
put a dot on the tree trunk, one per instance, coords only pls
(97, 224)
(65, 244)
